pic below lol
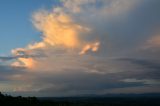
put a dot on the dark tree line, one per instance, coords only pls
(7, 100)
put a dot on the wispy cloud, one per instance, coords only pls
(144, 81)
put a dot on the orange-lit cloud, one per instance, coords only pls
(57, 29)
(92, 47)
(59, 32)
(27, 62)
(37, 45)
(74, 48)
(154, 41)
(24, 62)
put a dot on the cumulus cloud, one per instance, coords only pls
(65, 30)
(91, 41)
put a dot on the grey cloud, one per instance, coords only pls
(7, 58)
(145, 81)
(120, 36)
(150, 64)
(7, 71)
(21, 55)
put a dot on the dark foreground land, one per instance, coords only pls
(6, 100)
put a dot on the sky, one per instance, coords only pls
(79, 47)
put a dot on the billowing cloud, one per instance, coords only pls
(57, 28)
(64, 28)
(90, 46)
(59, 31)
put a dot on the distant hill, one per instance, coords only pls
(122, 95)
